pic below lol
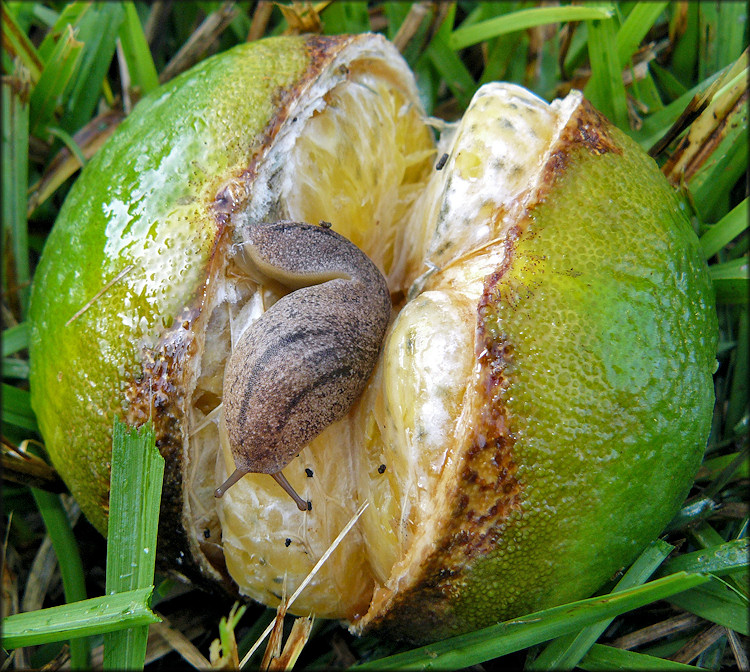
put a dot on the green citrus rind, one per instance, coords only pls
(596, 343)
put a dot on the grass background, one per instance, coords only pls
(673, 75)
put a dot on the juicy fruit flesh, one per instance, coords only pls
(361, 159)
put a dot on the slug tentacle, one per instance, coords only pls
(302, 364)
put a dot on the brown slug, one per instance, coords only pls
(302, 364)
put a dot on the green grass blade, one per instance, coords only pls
(395, 12)
(15, 180)
(712, 468)
(718, 603)
(69, 16)
(567, 651)
(135, 494)
(726, 230)
(498, 640)
(738, 393)
(730, 32)
(17, 45)
(635, 27)
(455, 74)
(80, 619)
(69, 561)
(603, 657)
(686, 43)
(656, 125)
(17, 408)
(727, 164)
(452, 70)
(523, 19)
(15, 339)
(731, 280)
(69, 142)
(15, 368)
(137, 53)
(731, 556)
(53, 81)
(97, 28)
(345, 17)
(605, 89)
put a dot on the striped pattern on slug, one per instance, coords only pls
(303, 363)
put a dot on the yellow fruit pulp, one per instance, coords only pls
(359, 162)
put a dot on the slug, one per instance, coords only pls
(302, 364)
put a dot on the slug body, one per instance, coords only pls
(302, 364)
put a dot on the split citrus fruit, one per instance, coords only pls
(543, 395)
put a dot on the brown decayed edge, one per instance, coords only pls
(487, 490)
(586, 128)
(160, 392)
(484, 495)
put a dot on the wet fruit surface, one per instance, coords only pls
(543, 395)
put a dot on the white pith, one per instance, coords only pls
(412, 416)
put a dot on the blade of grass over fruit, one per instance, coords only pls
(718, 603)
(69, 561)
(731, 556)
(15, 339)
(603, 657)
(17, 408)
(635, 27)
(725, 230)
(731, 280)
(523, 19)
(97, 29)
(81, 619)
(137, 53)
(18, 46)
(565, 652)
(54, 79)
(15, 136)
(498, 640)
(135, 494)
(605, 88)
